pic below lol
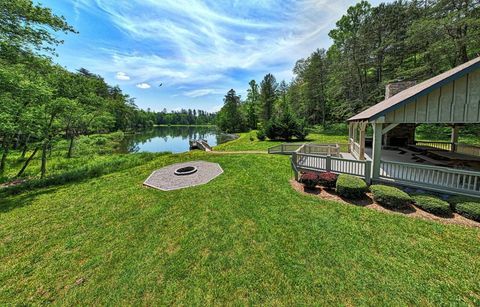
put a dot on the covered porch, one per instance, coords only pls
(393, 155)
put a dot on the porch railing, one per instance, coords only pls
(461, 148)
(431, 177)
(310, 148)
(438, 145)
(322, 163)
(320, 149)
(285, 149)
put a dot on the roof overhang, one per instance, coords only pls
(411, 94)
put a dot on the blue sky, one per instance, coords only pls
(198, 49)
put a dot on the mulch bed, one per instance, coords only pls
(368, 202)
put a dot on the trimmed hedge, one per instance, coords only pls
(454, 200)
(432, 204)
(469, 210)
(390, 197)
(351, 187)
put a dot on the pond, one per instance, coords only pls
(173, 139)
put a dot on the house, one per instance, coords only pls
(451, 98)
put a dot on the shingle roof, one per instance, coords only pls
(416, 91)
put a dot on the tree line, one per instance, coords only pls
(372, 46)
(42, 102)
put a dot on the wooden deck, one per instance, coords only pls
(402, 167)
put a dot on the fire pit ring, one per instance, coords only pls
(186, 170)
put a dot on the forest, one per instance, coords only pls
(371, 47)
(42, 102)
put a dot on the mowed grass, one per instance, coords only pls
(248, 142)
(245, 238)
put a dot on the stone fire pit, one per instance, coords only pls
(183, 175)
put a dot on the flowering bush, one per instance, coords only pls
(310, 180)
(327, 180)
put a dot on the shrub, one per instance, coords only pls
(261, 136)
(310, 180)
(469, 210)
(458, 199)
(351, 187)
(327, 180)
(285, 127)
(390, 197)
(432, 204)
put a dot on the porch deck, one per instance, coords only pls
(400, 166)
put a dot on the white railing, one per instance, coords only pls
(310, 148)
(320, 149)
(467, 149)
(286, 149)
(322, 163)
(438, 145)
(432, 177)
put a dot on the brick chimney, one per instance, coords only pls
(403, 134)
(393, 89)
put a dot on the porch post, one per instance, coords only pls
(350, 132)
(454, 139)
(377, 149)
(363, 127)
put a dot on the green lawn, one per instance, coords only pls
(248, 141)
(245, 238)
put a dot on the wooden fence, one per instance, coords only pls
(435, 178)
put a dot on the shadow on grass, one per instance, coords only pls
(10, 203)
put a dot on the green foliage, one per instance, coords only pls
(85, 171)
(457, 199)
(261, 136)
(25, 26)
(432, 204)
(230, 118)
(268, 96)
(351, 187)
(470, 210)
(285, 127)
(390, 197)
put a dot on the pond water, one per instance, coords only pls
(171, 139)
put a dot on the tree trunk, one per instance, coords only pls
(70, 147)
(3, 161)
(43, 168)
(17, 140)
(25, 147)
(24, 167)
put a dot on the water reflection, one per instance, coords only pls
(172, 139)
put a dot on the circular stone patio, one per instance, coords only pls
(165, 179)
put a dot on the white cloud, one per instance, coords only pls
(122, 76)
(201, 92)
(198, 48)
(144, 85)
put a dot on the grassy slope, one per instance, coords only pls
(245, 237)
(249, 141)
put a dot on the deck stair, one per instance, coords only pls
(200, 144)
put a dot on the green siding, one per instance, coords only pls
(455, 102)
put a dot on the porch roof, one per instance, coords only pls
(414, 93)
